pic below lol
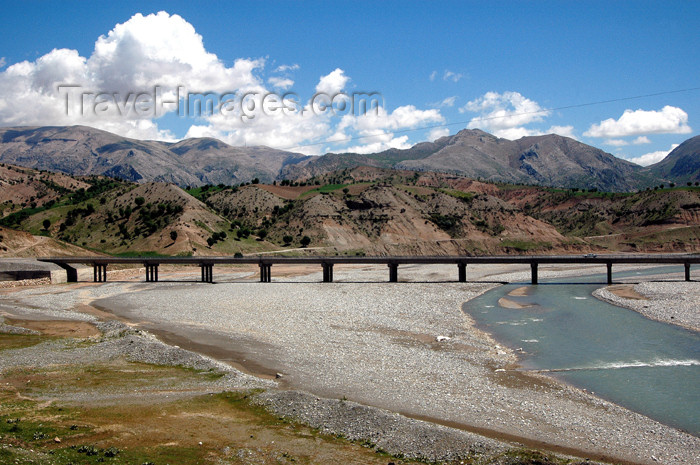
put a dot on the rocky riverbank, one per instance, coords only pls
(676, 303)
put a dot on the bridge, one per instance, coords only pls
(265, 263)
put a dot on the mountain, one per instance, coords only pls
(682, 165)
(550, 160)
(81, 150)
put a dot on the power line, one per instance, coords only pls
(543, 111)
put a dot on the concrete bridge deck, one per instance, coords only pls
(265, 263)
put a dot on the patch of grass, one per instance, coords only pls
(466, 197)
(530, 457)
(324, 189)
(204, 192)
(18, 341)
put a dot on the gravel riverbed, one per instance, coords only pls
(405, 348)
(676, 303)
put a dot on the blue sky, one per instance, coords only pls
(509, 68)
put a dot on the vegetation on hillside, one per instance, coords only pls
(361, 210)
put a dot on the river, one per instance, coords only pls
(650, 367)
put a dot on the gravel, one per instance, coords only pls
(384, 430)
(676, 303)
(376, 343)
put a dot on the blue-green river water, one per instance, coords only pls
(650, 367)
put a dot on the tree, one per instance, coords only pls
(287, 240)
(139, 201)
(47, 224)
(210, 241)
(173, 235)
(346, 191)
(255, 181)
(305, 241)
(262, 234)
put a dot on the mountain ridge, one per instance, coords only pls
(681, 165)
(547, 160)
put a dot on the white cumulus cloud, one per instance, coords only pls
(333, 82)
(652, 157)
(668, 120)
(507, 114)
(641, 140)
(280, 82)
(133, 58)
(376, 129)
(504, 111)
(163, 54)
(286, 68)
(437, 133)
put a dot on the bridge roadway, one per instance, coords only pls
(265, 263)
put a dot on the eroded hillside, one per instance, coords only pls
(365, 210)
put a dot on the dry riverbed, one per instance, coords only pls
(393, 347)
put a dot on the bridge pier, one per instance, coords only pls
(533, 272)
(265, 272)
(207, 273)
(99, 273)
(151, 273)
(609, 267)
(393, 272)
(462, 267)
(687, 271)
(327, 272)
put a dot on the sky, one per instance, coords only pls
(356, 76)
